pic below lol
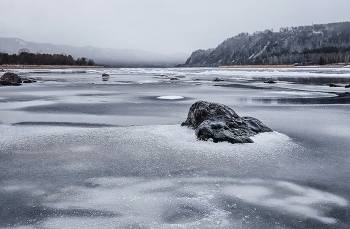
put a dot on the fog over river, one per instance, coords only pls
(78, 150)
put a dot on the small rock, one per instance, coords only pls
(270, 81)
(217, 80)
(28, 80)
(174, 78)
(105, 75)
(334, 85)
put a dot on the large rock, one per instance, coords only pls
(220, 123)
(10, 79)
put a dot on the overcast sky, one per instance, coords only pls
(162, 26)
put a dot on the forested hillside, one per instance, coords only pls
(315, 44)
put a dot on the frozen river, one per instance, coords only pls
(78, 150)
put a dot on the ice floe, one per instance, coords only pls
(170, 97)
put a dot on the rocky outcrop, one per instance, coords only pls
(220, 123)
(10, 79)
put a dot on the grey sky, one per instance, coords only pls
(162, 26)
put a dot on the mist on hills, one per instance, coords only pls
(101, 56)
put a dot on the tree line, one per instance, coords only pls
(26, 58)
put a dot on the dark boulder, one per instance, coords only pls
(8, 83)
(11, 77)
(217, 80)
(334, 85)
(270, 81)
(347, 86)
(105, 75)
(220, 123)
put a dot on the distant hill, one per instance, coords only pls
(320, 44)
(101, 56)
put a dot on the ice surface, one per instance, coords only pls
(150, 202)
(183, 202)
(288, 197)
(170, 201)
(80, 152)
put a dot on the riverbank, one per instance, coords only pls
(258, 66)
(4, 67)
(287, 66)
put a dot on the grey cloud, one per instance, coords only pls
(166, 26)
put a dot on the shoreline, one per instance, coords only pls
(286, 66)
(257, 66)
(4, 67)
(20, 66)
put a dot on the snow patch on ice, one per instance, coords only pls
(287, 197)
(170, 97)
(149, 202)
